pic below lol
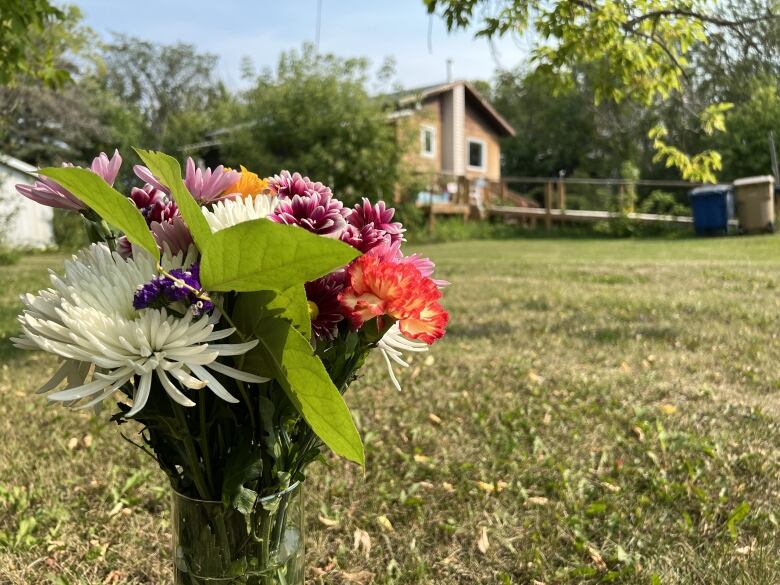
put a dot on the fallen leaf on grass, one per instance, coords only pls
(668, 409)
(537, 501)
(597, 559)
(361, 577)
(329, 522)
(534, 377)
(384, 523)
(115, 577)
(434, 419)
(447, 487)
(73, 442)
(492, 488)
(421, 458)
(362, 540)
(482, 542)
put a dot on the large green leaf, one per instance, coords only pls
(290, 304)
(285, 355)
(168, 172)
(263, 255)
(107, 202)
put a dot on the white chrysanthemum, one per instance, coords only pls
(230, 212)
(88, 318)
(393, 345)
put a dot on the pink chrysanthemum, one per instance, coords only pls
(323, 297)
(288, 185)
(47, 192)
(206, 186)
(318, 213)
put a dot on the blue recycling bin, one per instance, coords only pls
(712, 207)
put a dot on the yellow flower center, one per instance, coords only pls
(248, 184)
(314, 311)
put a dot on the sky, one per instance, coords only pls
(261, 29)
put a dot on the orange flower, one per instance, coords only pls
(248, 184)
(380, 287)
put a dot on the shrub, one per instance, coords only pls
(68, 227)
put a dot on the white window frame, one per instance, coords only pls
(423, 129)
(483, 144)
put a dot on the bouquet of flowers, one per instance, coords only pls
(226, 315)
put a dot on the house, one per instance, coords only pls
(451, 131)
(23, 223)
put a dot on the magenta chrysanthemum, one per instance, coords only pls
(153, 203)
(323, 297)
(318, 213)
(288, 185)
(47, 192)
(371, 225)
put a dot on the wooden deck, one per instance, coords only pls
(577, 215)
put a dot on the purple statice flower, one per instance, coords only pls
(148, 178)
(320, 214)
(47, 192)
(163, 290)
(323, 297)
(288, 185)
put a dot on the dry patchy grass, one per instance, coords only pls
(601, 411)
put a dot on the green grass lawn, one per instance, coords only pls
(601, 411)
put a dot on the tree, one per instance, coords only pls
(638, 49)
(24, 50)
(314, 115)
(173, 88)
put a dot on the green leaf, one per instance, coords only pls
(168, 172)
(290, 304)
(284, 354)
(243, 464)
(737, 515)
(107, 202)
(263, 255)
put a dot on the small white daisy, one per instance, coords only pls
(88, 318)
(230, 212)
(393, 345)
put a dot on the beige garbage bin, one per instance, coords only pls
(754, 201)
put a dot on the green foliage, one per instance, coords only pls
(109, 204)
(663, 203)
(287, 356)
(167, 170)
(262, 255)
(632, 50)
(745, 147)
(68, 228)
(23, 24)
(172, 89)
(314, 115)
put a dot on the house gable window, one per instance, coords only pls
(476, 154)
(428, 141)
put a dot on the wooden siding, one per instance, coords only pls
(476, 126)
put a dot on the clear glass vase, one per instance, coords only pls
(213, 544)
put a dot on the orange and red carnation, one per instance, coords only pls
(379, 288)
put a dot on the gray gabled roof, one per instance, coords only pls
(418, 94)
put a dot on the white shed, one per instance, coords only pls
(30, 224)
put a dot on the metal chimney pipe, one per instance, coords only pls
(449, 70)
